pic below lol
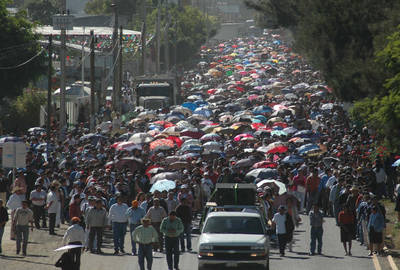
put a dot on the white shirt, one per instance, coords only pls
(117, 213)
(331, 181)
(280, 220)
(38, 195)
(74, 233)
(52, 197)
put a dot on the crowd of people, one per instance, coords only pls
(253, 111)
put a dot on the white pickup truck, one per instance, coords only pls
(233, 239)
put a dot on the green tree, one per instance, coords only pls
(124, 7)
(42, 11)
(18, 47)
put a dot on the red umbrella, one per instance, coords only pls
(265, 164)
(211, 91)
(280, 124)
(165, 124)
(162, 144)
(272, 148)
(175, 140)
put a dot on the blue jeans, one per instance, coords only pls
(1, 234)
(172, 250)
(119, 231)
(186, 232)
(145, 251)
(132, 228)
(316, 235)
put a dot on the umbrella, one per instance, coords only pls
(67, 247)
(307, 148)
(165, 175)
(132, 163)
(265, 164)
(226, 118)
(191, 141)
(242, 136)
(290, 130)
(156, 170)
(128, 146)
(147, 115)
(212, 146)
(94, 138)
(203, 112)
(163, 185)
(396, 163)
(162, 144)
(292, 159)
(276, 147)
(327, 107)
(210, 137)
(36, 130)
(184, 124)
(184, 110)
(277, 184)
(178, 165)
(191, 148)
(174, 131)
(278, 133)
(191, 106)
(263, 173)
(244, 163)
(303, 133)
(139, 138)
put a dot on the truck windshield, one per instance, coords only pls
(154, 104)
(161, 90)
(243, 225)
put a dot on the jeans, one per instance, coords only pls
(186, 232)
(39, 213)
(22, 232)
(282, 239)
(145, 251)
(98, 232)
(172, 252)
(360, 232)
(1, 234)
(119, 231)
(316, 235)
(156, 226)
(312, 198)
(132, 228)
(52, 222)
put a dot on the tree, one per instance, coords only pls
(18, 48)
(340, 38)
(42, 11)
(124, 7)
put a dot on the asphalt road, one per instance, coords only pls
(41, 257)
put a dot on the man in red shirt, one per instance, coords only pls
(312, 184)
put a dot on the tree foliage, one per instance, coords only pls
(18, 44)
(124, 7)
(340, 38)
(42, 11)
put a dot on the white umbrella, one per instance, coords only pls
(67, 247)
(141, 138)
(280, 185)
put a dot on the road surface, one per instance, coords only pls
(41, 257)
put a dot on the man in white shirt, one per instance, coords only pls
(279, 222)
(119, 221)
(75, 235)
(53, 205)
(156, 214)
(38, 199)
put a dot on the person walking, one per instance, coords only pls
(171, 202)
(156, 214)
(134, 215)
(13, 203)
(145, 235)
(376, 225)
(119, 221)
(3, 220)
(346, 222)
(38, 199)
(184, 212)
(75, 235)
(23, 216)
(312, 184)
(279, 222)
(316, 221)
(53, 207)
(172, 228)
(96, 220)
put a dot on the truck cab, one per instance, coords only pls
(154, 102)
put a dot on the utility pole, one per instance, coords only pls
(143, 37)
(120, 68)
(63, 117)
(83, 63)
(166, 37)
(49, 90)
(176, 48)
(92, 83)
(158, 37)
(115, 55)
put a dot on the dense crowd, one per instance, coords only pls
(254, 112)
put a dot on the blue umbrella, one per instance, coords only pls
(205, 112)
(201, 103)
(303, 134)
(163, 185)
(261, 118)
(176, 114)
(191, 148)
(396, 163)
(307, 148)
(292, 159)
(290, 130)
(262, 109)
(191, 106)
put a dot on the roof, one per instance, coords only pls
(233, 214)
(82, 31)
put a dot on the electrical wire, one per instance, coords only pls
(24, 63)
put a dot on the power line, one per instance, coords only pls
(24, 63)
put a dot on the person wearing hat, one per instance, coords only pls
(279, 222)
(145, 236)
(134, 213)
(118, 219)
(23, 216)
(75, 235)
(316, 221)
(38, 199)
